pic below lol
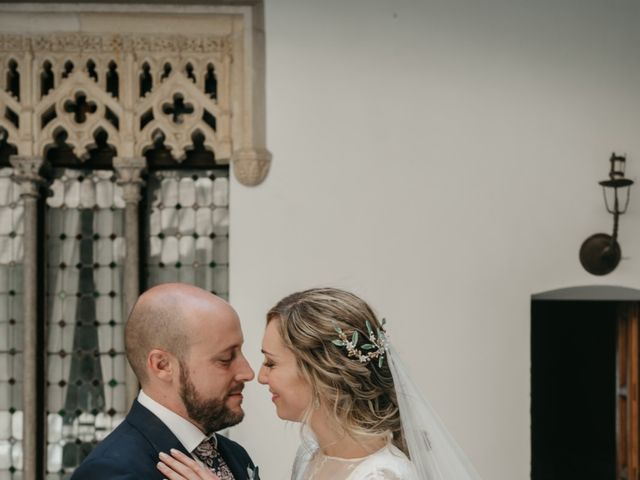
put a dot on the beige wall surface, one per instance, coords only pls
(440, 158)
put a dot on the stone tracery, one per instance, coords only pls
(132, 87)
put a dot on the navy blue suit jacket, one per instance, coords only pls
(131, 450)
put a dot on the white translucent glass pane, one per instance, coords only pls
(187, 221)
(5, 425)
(104, 193)
(187, 192)
(56, 340)
(54, 427)
(187, 253)
(169, 250)
(221, 250)
(204, 193)
(169, 189)
(6, 367)
(54, 457)
(5, 341)
(16, 424)
(119, 250)
(220, 280)
(155, 246)
(187, 275)
(204, 225)
(102, 279)
(5, 279)
(169, 221)
(16, 455)
(221, 220)
(58, 369)
(118, 197)
(116, 307)
(159, 275)
(204, 247)
(17, 246)
(72, 194)
(6, 185)
(119, 398)
(53, 253)
(154, 222)
(55, 398)
(69, 306)
(103, 426)
(221, 192)
(57, 194)
(6, 249)
(105, 339)
(103, 251)
(5, 455)
(87, 193)
(6, 220)
(70, 280)
(103, 308)
(18, 219)
(103, 223)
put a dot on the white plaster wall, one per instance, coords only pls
(440, 158)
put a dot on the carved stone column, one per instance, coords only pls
(26, 174)
(129, 170)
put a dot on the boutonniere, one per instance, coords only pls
(252, 474)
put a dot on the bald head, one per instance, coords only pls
(168, 317)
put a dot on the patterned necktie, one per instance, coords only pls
(208, 454)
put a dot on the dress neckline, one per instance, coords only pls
(356, 459)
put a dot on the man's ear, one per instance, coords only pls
(161, 365)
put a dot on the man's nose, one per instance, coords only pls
(245, 372)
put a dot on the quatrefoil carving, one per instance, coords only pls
(80, 107)
(178, 108)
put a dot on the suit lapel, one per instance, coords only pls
(163, 440)
(238, 469)
(153, 429)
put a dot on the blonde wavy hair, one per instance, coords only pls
(360, 396)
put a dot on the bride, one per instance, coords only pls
(328, 364)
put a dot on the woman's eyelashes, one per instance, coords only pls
(268, 363)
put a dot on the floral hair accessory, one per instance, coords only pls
(374, 349)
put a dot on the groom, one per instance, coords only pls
(184, 345)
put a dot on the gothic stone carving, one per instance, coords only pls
(138, 90)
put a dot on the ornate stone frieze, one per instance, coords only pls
(133, 92)
(110, 43)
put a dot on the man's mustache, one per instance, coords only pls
(236, 390)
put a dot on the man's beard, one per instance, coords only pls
(212, 415)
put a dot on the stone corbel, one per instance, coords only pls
(129, 172)
(27, 174)
(251, 165)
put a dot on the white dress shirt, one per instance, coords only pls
(186, 432)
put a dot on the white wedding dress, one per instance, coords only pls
(388, 463)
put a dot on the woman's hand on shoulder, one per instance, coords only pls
(179, 466)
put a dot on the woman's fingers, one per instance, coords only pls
(174, 470)
(168, 473)
(186, 467)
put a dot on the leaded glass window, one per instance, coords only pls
(188, 228)
(11, 228)
(85, 354)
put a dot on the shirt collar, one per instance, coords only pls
(186, 432)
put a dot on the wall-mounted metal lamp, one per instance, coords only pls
(600, 253)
